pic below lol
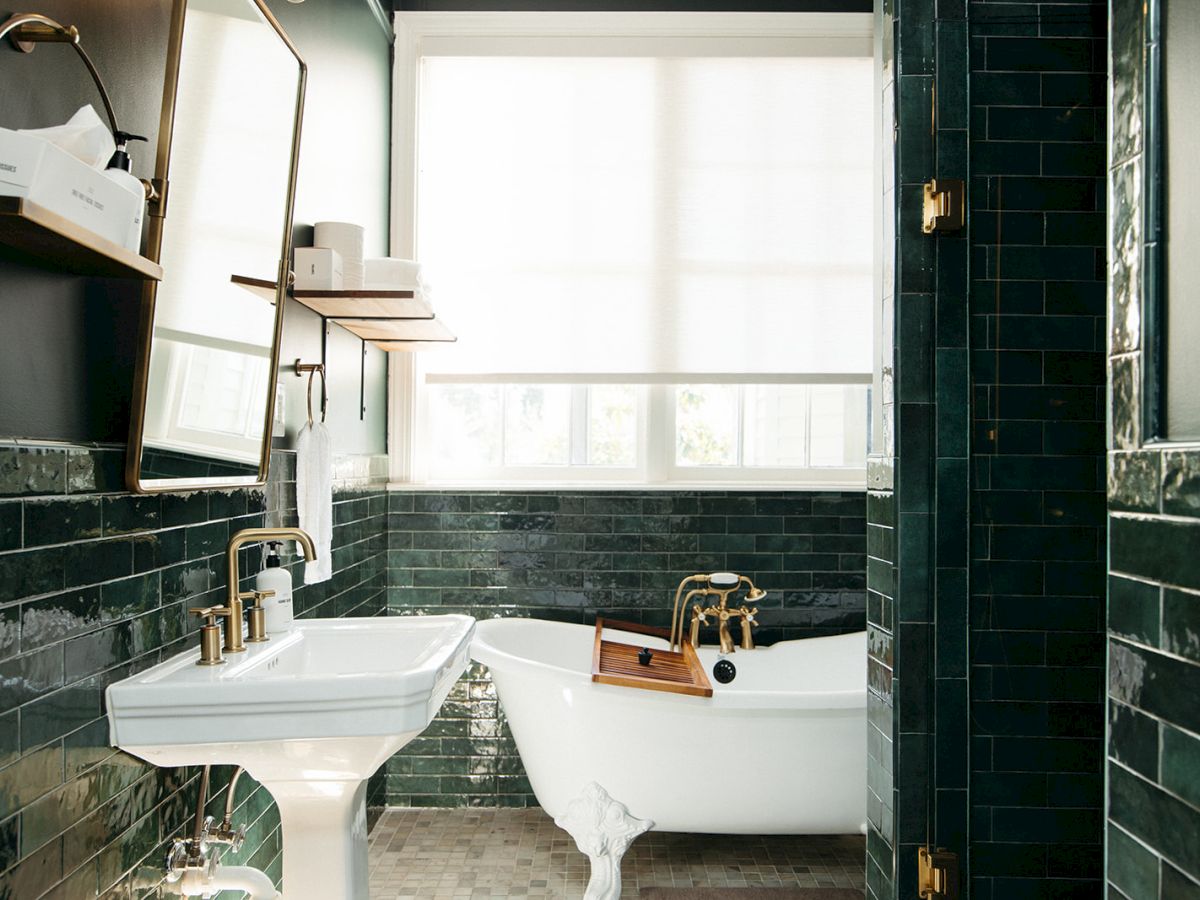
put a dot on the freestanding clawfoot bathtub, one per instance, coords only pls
(782, 749)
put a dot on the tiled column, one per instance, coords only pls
(1153, 754)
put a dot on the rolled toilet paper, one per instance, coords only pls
(389, 273)
(347, 239)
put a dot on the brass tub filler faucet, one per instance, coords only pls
(232, 613)
(719, 585)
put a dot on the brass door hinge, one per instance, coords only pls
(937, 874)
(945, 205)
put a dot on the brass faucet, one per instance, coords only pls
(235, 597)
(720, 585)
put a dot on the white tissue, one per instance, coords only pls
(393, 274)
(84, 136)
(347, 239)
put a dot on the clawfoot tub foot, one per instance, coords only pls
(603, 829)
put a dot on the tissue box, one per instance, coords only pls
(38, 171)
(318, 269)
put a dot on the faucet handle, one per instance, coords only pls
(257, 596)
(210, 633)
(210, 614)
(256, 624)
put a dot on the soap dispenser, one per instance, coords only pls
(277, 609)
(120, 171)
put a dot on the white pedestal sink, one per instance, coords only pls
(310, 715)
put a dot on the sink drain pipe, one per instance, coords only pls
(194, 866)
(217, 878)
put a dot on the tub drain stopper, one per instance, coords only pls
(724, 671)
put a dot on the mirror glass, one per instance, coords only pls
(210, 370)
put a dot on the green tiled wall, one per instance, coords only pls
(1154, 531)
(1037, 338)
(571, 555)
(94, 586)
(986, 687)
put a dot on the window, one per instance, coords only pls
(653, 236)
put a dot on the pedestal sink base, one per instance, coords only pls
(324, 838)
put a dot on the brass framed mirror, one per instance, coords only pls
(228, 151)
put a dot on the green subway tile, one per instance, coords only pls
(93, 562)
(30, 777)
(1133, 609)
(1155, 549)
(1181, 623)
(58, 713)
(1030, 54)
(1155, 818)
(32, 471)
(32, 572)
(1178, 886)
(1161, 685)
(1134, 481)
(1180, 764)
(10, 525)
(1181, 483)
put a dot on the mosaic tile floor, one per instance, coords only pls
(444, 853)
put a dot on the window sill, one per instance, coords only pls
(536, 487)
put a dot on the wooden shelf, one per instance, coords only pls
(409, 330)
(365, 304)
(55, 241)
(392, 320)
(260, 287)
(412, 346)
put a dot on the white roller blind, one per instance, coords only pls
(656, 216)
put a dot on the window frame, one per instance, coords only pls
(424, 34)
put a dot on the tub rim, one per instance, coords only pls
(724, 698)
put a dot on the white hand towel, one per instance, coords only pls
(314, 496)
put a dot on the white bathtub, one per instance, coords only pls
(780, 750)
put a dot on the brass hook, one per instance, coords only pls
(313, 369)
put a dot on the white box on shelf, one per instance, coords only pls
(318, 269)
(36, 170)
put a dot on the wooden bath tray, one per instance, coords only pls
(675, 673)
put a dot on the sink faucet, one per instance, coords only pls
(720, 585)
(234, 598)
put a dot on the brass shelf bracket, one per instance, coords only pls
(944, 208)
(937, 874)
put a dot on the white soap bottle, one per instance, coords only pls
(278, 609)
(120, 171)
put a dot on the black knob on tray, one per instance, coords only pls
(644, 656)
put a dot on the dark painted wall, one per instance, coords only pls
(67, 345)
(1154, 532)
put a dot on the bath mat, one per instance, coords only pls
(743, 893)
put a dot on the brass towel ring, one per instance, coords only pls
(313, 369)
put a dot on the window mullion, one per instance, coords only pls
(660, 432)
(580, 416)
